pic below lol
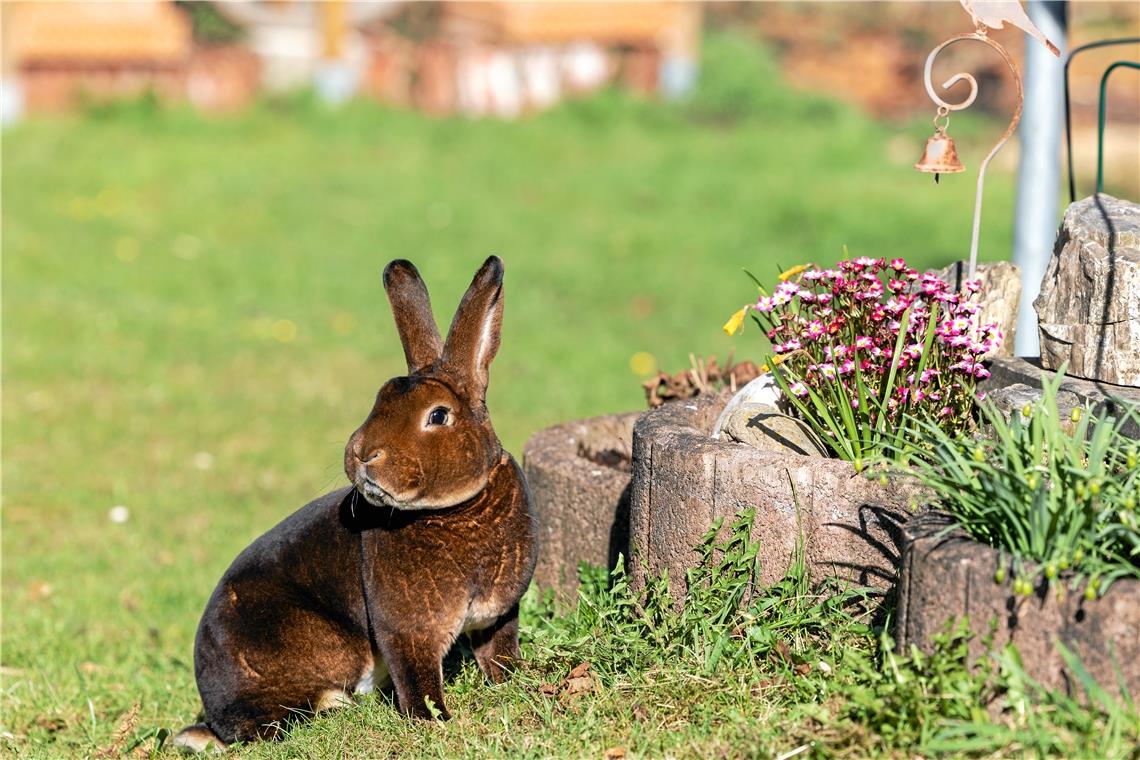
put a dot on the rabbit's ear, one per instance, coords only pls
(411, 308)
(473, 339)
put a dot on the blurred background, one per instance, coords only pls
(199, 198)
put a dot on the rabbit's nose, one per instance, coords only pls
(376, 455)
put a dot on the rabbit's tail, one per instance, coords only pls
(198, 738)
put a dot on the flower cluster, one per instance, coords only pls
(878, 337)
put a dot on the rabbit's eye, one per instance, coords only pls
(438, 416)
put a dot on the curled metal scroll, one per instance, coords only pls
(944, 109)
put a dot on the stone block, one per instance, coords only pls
(999, 297)
(1088, 310)
(1102, 398)
(578, 475)
(947, 575)
(683, 480)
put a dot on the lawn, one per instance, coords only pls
(194, 323)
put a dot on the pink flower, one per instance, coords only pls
(788, 288)
(848, 319)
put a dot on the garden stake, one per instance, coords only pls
(1100, 120)
(940, 155)
(1069, 111)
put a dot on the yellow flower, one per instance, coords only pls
(734, 323)
(792, 272)
(776, 362)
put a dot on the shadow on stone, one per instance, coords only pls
(874, 522)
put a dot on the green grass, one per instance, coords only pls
(149, 256)
(1051, 488)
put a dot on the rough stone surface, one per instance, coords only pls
(945, 575)
(1013, 398)
(578, 475)
(763, 426)
(1088, 311)
(683, 480)
(999, 297)
(1100, 397)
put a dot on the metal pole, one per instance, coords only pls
(1039, 167)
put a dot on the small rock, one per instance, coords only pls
(762, 390)
(765, 427)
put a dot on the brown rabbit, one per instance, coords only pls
(436, 537)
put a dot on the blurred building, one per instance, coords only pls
(476, 58)
(63, 51)
(61, 55)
